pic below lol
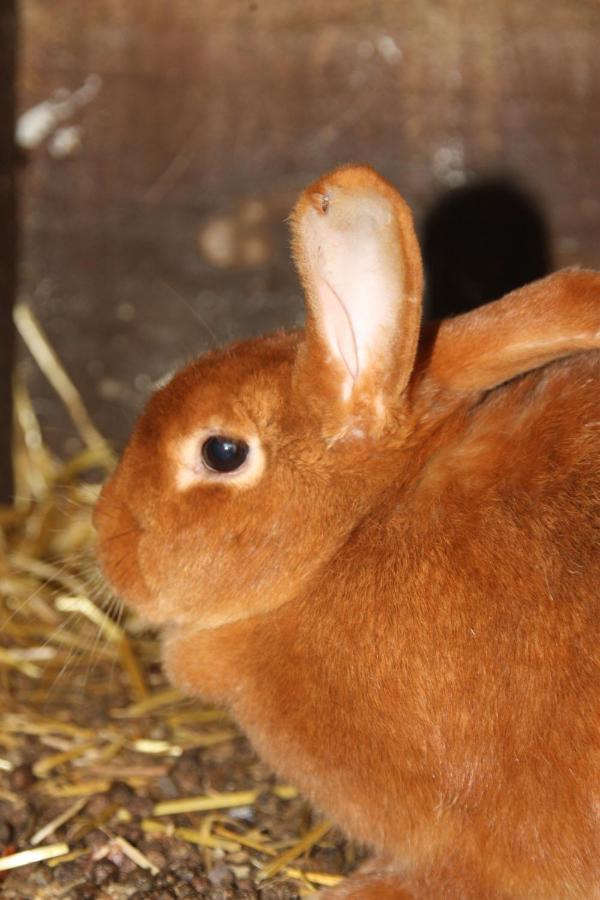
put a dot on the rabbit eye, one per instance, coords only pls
(205, 456)
(224, 454)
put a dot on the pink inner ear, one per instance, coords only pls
(358, 290)
(339, 325)
(355, 279)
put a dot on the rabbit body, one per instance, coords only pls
(398, 594)
(431, 712)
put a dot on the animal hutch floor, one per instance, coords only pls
(113, 785)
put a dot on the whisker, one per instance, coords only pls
(135, 530)
(195, 313)
(44, 584)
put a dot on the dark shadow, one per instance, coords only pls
(480, 242)
(8, 234)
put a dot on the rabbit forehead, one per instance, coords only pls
(241, 388)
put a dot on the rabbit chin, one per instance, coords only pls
(187, 622)
(164, 607)
(167, 610)
(156, 591)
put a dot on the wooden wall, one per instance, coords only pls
(153, 215)
(7, 232)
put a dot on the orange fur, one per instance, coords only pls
(402, 608)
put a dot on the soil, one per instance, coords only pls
(125, 782)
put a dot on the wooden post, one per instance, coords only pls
(8, 239)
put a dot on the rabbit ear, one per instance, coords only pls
(359, 260)
(532, 326)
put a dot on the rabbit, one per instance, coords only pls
(378, 545)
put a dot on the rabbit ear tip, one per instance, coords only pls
(319, 200)
(348, 176)
(347, 182)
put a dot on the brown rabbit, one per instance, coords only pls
(382, 553)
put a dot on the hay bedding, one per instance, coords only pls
(113, 785)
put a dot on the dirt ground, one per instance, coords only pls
(107, 768)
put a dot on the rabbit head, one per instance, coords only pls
(251, 465)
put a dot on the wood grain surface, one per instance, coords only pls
(153, 214)
(7, 234)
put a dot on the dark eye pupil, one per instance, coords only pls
(224, 454)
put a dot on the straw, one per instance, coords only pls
(37, 343)
(27, 857)
(57, 822)
(202, 804)
(303, 845)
